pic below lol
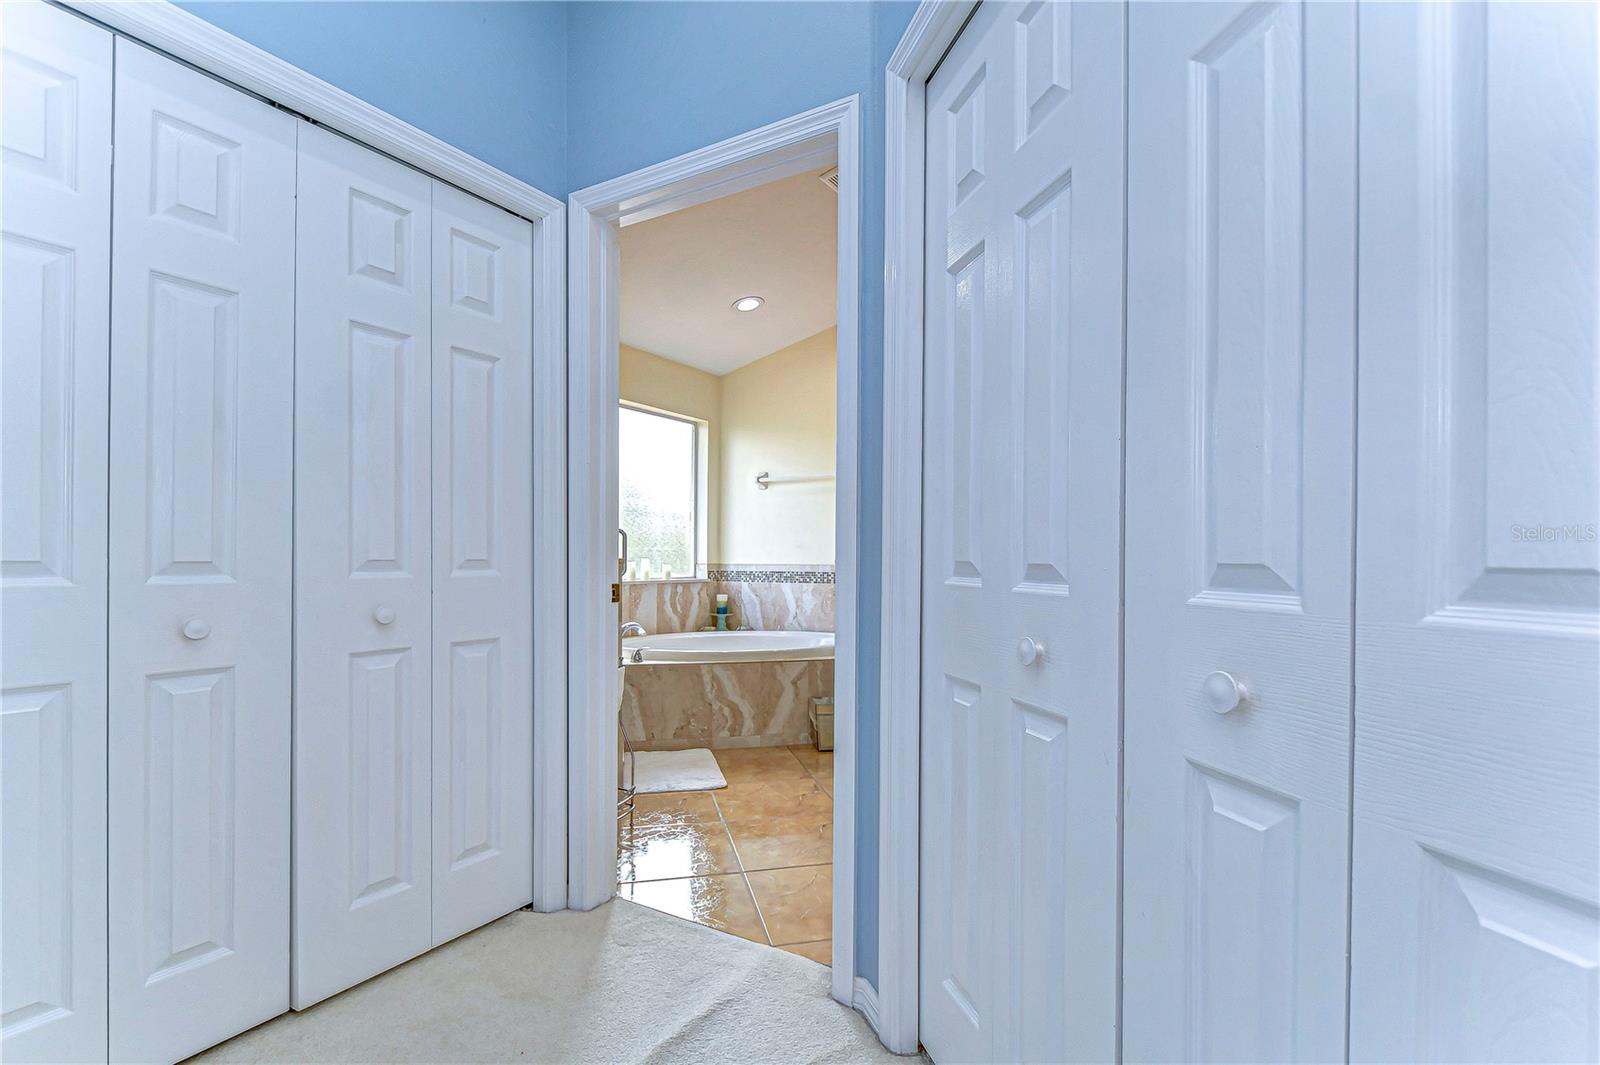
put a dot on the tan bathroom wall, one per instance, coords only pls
(777, 415)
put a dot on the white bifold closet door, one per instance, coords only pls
(363, 557)
(1240, 393)
(1021, 517)
(482, 562)
(413, 784)
(202, 363)
(1476, 900)
(55, 205)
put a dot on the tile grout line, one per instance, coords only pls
(828, 791)
(748, 887)
(728, 872)
(757, 904)
(732, 872)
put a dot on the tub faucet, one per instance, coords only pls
(633, 628)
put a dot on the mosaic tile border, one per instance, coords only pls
(771, 576)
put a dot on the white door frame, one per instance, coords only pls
(830, 133)
(170, 29)
(933, 29)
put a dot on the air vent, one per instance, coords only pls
(830, 178)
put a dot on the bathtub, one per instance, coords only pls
(712, 648)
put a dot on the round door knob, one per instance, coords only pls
(383, 615)
(1029, 650)
(196, 628)
(1223, 692)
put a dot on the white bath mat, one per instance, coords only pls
(694, 770)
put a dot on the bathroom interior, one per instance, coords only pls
(726, 482)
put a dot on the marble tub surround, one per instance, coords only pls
(781, 605)
(767, 596)
(673, 706)
(668, 606)
(752, 859)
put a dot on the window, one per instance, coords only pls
(658, 481)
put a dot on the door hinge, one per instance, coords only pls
(616, 592)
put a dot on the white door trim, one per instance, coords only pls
(786, 147)
(933, 29)
(169, 28)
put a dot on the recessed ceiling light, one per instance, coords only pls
(747, 303)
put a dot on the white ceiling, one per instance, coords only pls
(681, 273)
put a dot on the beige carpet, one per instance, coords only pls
(622, 983)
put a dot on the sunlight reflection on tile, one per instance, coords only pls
(662, 848)
(721, 902)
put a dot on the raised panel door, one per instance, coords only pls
(1021, 501)
(1240, 393)
(363, 566)
(482, 367)
(202, 364)
(1476, 878)
(55, 209)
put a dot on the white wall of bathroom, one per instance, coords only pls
(778, 417)
(649, 380)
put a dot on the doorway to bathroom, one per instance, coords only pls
(712, 439)
(725, 480)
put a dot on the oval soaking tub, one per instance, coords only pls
(711, 648)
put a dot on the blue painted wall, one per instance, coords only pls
(651, 80)
(489, 78)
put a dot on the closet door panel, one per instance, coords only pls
(201, 419)
(482, 562)
(1239, 491)
(55, 184)
(1058, 182)
(961, 853)
(1021, 506)
(363, 647)
(1476, 881)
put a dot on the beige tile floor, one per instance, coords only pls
(754, 858)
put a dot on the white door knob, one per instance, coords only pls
(197, 628)
(1029, 650)
(383, 615)
(1223, 692)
